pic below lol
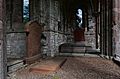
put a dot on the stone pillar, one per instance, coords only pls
(109, 28)
(2, 41)
(106, 28)
(116, 29)
(102, 29)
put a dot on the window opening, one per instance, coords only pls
(26, 11)
(79, 19)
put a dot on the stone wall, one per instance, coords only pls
(90, 38)
(14, 15)
(56, 36)
(116, 27)
(45, 11)
(16, 43)
(49, 13)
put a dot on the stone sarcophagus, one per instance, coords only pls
(33, 31)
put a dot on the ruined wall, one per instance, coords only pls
(14, 15)
(16, 43)
(45, 11)
(56, 36)
(90, 38)
(49, 13)
(16, 47)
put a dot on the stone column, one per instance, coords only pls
(103, 27)
(116, 29)
(106, 28)
(109, 28)
(2, 41)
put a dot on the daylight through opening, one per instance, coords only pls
(25, 11)
(79, 18)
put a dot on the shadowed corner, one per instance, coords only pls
(116, 61)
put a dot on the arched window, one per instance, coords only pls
(25, 11)
(79, 18)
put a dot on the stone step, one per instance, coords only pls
(74, 47)
(78, 54)
(14, 65)
(93, 50)
(78, 49)
(49, 65)
(81, 52)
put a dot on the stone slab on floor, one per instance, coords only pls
(48, 65)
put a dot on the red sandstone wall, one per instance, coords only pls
(34, 30)
(79, 35)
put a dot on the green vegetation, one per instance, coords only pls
(56, 77)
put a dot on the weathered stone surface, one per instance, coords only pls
(16, 42)
(33, 30)
(49, 65)
(14, 65)
(90, 38)
(16, 45)
(44, 11)
(116, 39)
(14, 15)
(17, 10)
(116, 28)
(49, 13)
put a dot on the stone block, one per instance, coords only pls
(16, 45)
(47, 66)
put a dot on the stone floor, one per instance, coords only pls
(76, 68)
